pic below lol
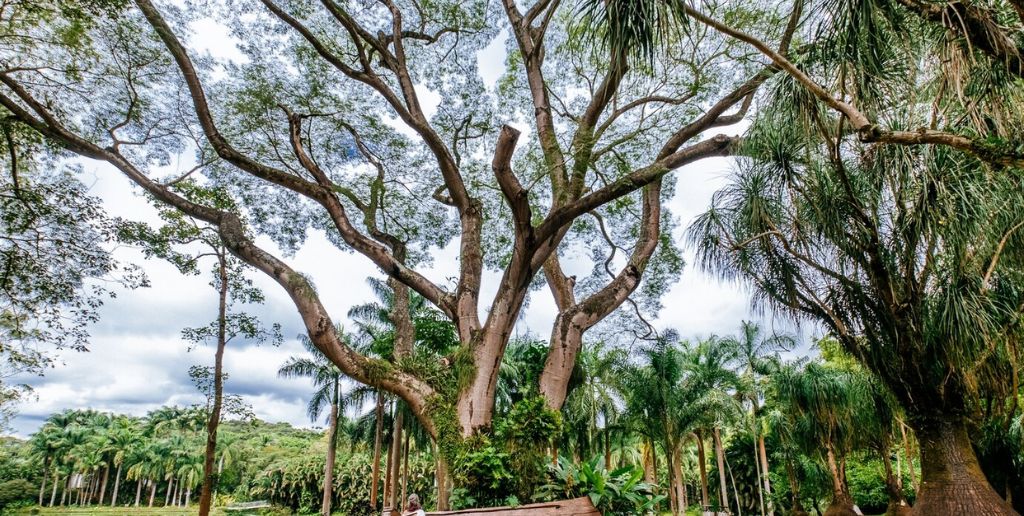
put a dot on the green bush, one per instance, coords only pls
(612, 492)
(14, 492)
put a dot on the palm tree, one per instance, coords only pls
(710, 366)
(125, 439)
(832, 412)
(592, 403)
(327, 379)
(757, 356)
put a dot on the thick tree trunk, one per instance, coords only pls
(842, 502)
(574, 319)
(377, 442)
(702, 460)
(117, 486)
(332, 444)
(951, 479)
(720, 459)
(441, 476)
(765, 477)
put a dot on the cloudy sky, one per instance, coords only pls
(137, 360)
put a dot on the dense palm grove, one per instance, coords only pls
(717, 422)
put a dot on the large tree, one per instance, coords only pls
(294, 130)
(909, 255)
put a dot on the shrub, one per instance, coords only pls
(16, 491)
(612, 492)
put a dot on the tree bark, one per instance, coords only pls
(909, 457)
(103, 486)
(170, 488)
(56, 482)
(720, 458)
(441, 476)
(387, 476)
(794, 489)
(152, 491)
(405, 469)
(396, 459)
(377, 442)
(574, 319)
(673, 494)
(893, 486)
(117, 486)
(332, 444)
(705, 500)
(951, 479)
(765, 477)
(677, 485)
(42, 485)
(138, 491)
(650, 474)
(206, 496)
(842, 502)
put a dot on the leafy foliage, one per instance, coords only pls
(620, 491)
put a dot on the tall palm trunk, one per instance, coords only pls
(56, 482)
(332, 445)
(67, 487)
(405, 469)
(138, 492)
(702, 460)
(607, 450)
(720, 458)
(206, 496)
(378, 437)
(393, 454)
(170, 489)
(42, 485)
(757, 470)
(103, 487)
(673, 494)
(764, 474)
(678, 486)
(117, 486)
(152, 491)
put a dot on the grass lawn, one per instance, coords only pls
(155, 511)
